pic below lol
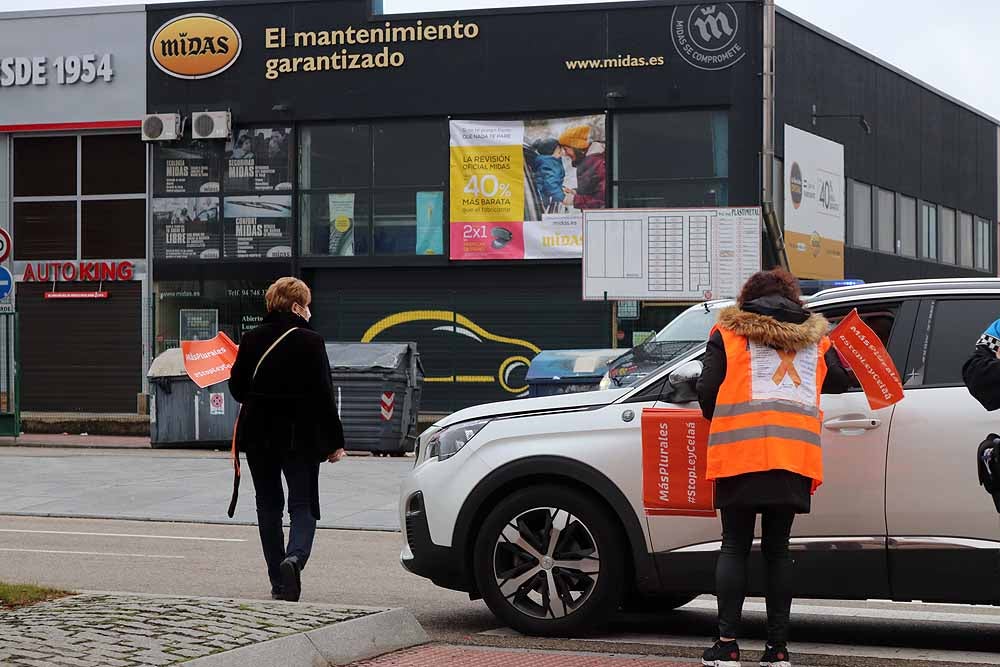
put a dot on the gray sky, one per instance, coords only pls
(947, 49)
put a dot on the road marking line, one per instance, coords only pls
(151, 537)
(89, 553)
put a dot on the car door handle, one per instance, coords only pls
(852, 423)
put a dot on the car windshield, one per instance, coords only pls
(692, 325)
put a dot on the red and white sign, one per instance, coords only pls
(76, 295)
(388, 405)
(209, 362)
(217, 404)
(5, 245)
(48, 272)
(675, 462)
(862, 350)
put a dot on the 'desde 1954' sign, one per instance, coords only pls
(63, 70)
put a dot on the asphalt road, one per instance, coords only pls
(183, 485)
(361, 567)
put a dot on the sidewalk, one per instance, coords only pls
(67, 440)
(127, 630)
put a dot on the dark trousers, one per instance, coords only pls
(731, 569)
(302, 477)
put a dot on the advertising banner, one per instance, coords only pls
(190, 169)
(259, 160)
(430, 219)
(186, 228)
(209, 362)
(341, 243)
(258, 226)
(814, 205)
(674, 463)
(518, 187)
(863, 351)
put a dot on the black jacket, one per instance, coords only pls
(981, 374)
(780, 323)
(290, 403)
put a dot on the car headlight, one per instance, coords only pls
(449, 441)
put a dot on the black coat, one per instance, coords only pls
(981, 374)
(771, 487)
(289, 405)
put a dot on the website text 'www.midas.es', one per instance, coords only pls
(616, 63)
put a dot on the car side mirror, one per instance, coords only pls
(681, 386)
(688, 373)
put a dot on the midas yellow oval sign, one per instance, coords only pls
(196, 46)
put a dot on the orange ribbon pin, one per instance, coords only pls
(787, 367)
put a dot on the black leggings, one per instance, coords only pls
(731, 569)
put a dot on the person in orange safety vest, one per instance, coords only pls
(767, 362)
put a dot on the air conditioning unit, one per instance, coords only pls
(161, 127)
(211, 125)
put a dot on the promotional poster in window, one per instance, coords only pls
(186, 228)
(518, 188)
(259, 160)
(258, 226)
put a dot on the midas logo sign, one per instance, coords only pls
(195, 46)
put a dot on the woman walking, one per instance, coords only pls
(768, 360)
(288, 425)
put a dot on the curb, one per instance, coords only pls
(338, 644)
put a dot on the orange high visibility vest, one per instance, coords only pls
(767, 414)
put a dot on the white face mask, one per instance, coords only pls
(302, 311)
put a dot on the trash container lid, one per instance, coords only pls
(570, 364)
(167, 364)
(369, 355)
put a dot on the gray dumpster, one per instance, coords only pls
(377, 388)
(182, 414)
(555, 372)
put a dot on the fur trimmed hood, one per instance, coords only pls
(774, 332)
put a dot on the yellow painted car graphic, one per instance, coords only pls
(511, 370)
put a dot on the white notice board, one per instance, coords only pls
(689, 254)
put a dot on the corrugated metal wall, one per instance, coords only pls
(80, 355)
(476, 327)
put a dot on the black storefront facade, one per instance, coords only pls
(342, 121)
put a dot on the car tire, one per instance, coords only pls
(516, 563)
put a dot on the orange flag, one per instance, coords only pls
(209, 362)
(861, 348)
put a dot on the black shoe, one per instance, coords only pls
(277, 594)
(291, 579)
(776, 656)
(722, 654)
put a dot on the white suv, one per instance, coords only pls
(535, 505)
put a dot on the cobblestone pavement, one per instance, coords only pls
(464, 656)
(96, 630)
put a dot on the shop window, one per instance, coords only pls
(335, 224)
(113, 164)
(906, 223)
(984, 244)
(947, 225)
(45, 167)
(231, 306)
(114, 229)
(373, 189)
(928, 231)
(186, 228)
(411, 153)
(861, 215)
(671, 145)
(966, 250)
(335, 156)
(671, 194)
(409, 222)
(886, 221)
(45, 230)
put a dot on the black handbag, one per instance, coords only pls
(988, 467)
